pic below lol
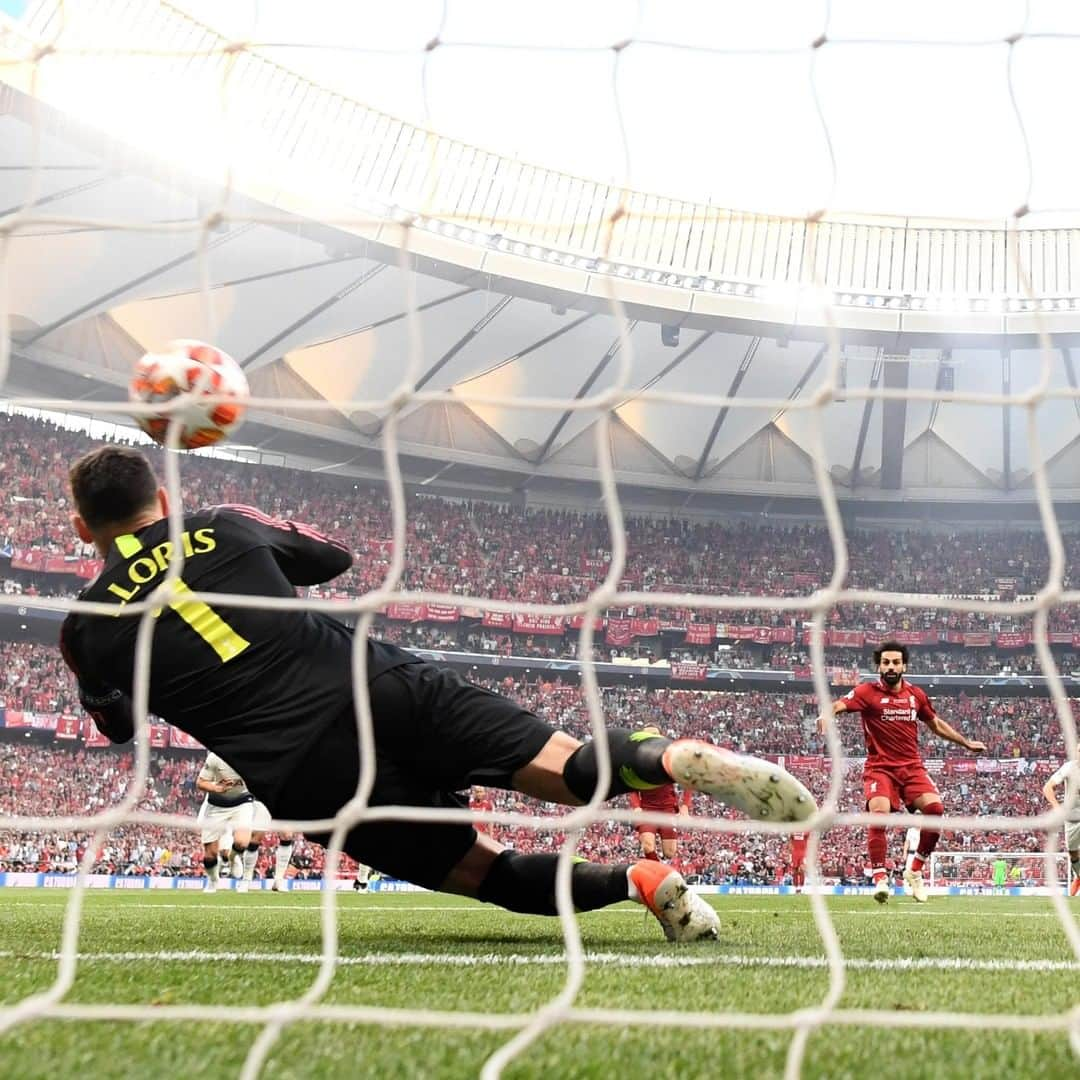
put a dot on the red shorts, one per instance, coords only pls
(665, 832)
(798, 852)
(900, 784)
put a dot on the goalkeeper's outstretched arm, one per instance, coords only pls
(948, 732)
(305, 555)
(838, 707)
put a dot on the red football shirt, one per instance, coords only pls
(481, 806)
(890, 720)
(661, 800)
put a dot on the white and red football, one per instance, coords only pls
(194, 370)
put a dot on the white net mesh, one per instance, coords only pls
(279, 142)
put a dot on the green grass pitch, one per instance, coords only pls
(986, 955)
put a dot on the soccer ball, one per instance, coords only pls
(195, 370)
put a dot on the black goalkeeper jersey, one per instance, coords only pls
(258, 687)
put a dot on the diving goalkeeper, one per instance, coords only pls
(271, 692)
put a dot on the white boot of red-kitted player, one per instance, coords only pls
(882, 888)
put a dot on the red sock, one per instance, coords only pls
(652, 855)
(799, 877)
(928, 838)
(877, 845)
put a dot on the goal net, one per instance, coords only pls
(219, 117)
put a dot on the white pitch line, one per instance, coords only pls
(599, 959)
(289, 907)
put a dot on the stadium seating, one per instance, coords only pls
(484, 549)
(545, 555)
(58, 780)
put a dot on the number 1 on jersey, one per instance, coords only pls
(209, 625)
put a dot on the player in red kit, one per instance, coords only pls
(480, 801)
(663, 799)
(894, 776)
(798, 860)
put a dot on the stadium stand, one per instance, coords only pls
(34, 777)
(550, 555)
(68, 779)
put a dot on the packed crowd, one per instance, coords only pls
(553, 555)
(739, 656)
(774, 722)
(929, 661)
(36, 779)
(757, 721)
(35, 678)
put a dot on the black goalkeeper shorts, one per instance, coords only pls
(435, 735)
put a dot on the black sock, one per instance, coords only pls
(636, 764)
(526, 883)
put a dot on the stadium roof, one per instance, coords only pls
(316, 311)
(716, 102)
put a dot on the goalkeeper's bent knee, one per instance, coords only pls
(526, 884)
(636, 764)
